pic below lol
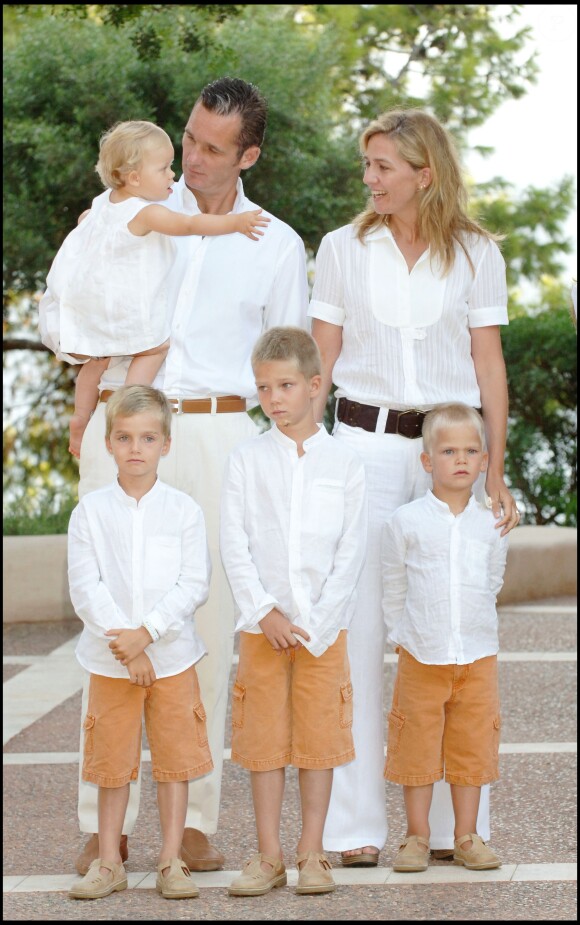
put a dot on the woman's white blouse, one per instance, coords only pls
(441, 576)
(406, 339)
(129, 562)
(293, 532)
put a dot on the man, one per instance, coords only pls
(226, 291)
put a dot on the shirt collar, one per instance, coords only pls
(290, 445)
(128, 501)
(189, 202)
(443, 508)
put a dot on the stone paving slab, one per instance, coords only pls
(532, 806)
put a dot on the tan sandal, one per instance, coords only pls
(255, 881)
(478, 857)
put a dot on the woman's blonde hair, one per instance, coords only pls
(123, 147)
(423, 142)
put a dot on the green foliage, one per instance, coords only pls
(71, 71)
(540, 355)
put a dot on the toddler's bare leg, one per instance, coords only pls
(145, 366)
(86, 397)
(172, 802)
(315, 787)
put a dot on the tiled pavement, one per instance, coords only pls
(533, 806)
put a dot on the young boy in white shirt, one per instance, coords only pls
(443, 562)
(293, 526)
(138, 568)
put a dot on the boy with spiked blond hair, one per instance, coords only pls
(443, 562)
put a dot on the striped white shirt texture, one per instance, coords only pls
(441, 577)
(293, 532)
(406, 335)
(224, 292)
(132, 561)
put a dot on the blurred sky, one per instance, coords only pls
(535, 137)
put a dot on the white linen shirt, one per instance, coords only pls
(441, 576)
(406, 335)
(224, 292)
(293, 532)
(130, 561)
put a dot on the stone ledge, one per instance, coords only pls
(541, 564)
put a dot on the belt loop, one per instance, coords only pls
(213, 400)
(381, 420)
(179, 409)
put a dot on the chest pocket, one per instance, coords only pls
(327, 507)
(162, 561)
(476, 559)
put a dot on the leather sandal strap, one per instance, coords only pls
(419, 839)
(321, 858)
(268, 859)
(469, 837)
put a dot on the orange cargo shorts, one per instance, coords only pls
(293, 709)
(175, 724)
(444, 719)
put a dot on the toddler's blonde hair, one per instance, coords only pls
(123, 147)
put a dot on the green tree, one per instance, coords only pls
(70, 71)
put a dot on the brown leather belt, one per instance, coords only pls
(405, 423)
(224, 403)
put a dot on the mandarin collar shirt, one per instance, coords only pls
(441, 576)
(224, 292)
(132, 561)
(293, 532)
(406, 335)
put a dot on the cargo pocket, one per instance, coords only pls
(200, 724)
(346, 704)
(238, 703)
(496, 734)
(88, 726)
(396, 723)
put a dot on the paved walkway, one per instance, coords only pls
(533, 806)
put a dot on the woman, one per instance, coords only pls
(406, 309)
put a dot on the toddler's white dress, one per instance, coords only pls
(106, 290)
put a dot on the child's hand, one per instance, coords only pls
(280, 633)
(141, 671)
(249, 223)
(129, 643)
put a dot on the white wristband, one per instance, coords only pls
(151, 630)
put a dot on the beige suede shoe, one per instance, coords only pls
(411, 857)
(96, 885)
(177, 882)
(315, 874)
(91, 852)
(253, 881)
(478, 857)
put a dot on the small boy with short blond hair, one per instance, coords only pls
(292, 541)
(139, 567)
(443, 562)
